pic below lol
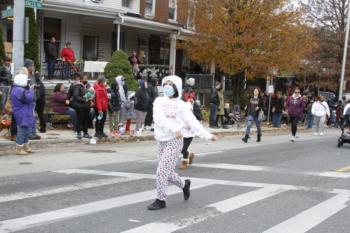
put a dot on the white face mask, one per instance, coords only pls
(169, 90)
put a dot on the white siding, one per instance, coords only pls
(72, 32)
(109, 4)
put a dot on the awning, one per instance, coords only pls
(147, 24)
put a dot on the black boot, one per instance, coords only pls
(186, 190)
(259, 138)
(245, 139)
(157, 205)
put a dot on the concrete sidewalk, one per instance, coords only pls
(68, 136)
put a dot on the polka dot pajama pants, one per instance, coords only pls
(168, 155)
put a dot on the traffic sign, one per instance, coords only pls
(34, 4)
(8, 12)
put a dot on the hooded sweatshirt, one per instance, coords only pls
(101, 97)
(22, 101)
(173, 115)
(320, 109)
(295, 106)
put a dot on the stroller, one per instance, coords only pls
(234, 117)
(345, 129)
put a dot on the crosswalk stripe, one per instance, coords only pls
(230, 166)
(310, 218)
(220, 207)
(26, 222)
(62, 189)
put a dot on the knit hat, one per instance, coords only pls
(28, 63)
(21, 80)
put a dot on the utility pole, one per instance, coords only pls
(18, 34)
(341, 86)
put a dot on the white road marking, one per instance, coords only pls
(331, 174)
(62, 189)
(227, 166)
(221, 207)
(208, 153)
(27, 222)
(310, 218)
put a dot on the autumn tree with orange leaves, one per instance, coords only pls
(247, 35)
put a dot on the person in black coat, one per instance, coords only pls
(142, 101)
(52, 54)
(5, 81)
(82, 107)
(40, 101)
(214, 104)
(114, 107)
(152, 91)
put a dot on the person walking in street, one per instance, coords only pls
(22, 96)
(221, 108)
(310, 116)
(295, 107)
(320, 111)
(190, 98)
(277, 109)
(254, 110)
(60, 104)
(81, 106)
(101, 106)
(171, 115)
(68, 58)
(52, 55)
(152, 90)
(29, 64)
(5, 81)
(142, 101)
(114, 108)
(214, 105)
(40, 95)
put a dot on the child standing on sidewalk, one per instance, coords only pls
(171, 115)
(114, 108)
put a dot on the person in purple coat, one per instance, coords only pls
(22, 97)
(295, 106)
(60, 104)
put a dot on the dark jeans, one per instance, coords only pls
(149, 117)
(39, 108)
(100, 124)
(310, 120)
(213, 112)
(67, 70)
(51, 63)
(187, 143)
(251, 120)
(13, 126)
(22, 135)
(276, 119)
(83, 115)
(73, 116)
(294, 120)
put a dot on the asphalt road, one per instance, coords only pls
(273, 186)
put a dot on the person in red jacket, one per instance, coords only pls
(68, 58)
(101, 106)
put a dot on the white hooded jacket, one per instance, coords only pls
(320, 109)
(173, 115)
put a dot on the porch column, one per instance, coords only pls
(18, 35)
(212, 67)
(118, 37)
(172, 60)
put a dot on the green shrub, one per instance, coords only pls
(120, 65)
(31, 50)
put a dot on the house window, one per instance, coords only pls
(126, 3)
(149, 8)
(190, 18)
(90, 48)
(172, 10)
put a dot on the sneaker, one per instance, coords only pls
(292, 139)
(186, 190)
(104, 135)
(183, 165)
(87, 135)
(157, 205)
(321, 134)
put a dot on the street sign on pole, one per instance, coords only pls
(8, 12)
(34, 4)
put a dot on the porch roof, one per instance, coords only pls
(142, 23)
(76, 8)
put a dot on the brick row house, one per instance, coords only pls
(96, 28)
